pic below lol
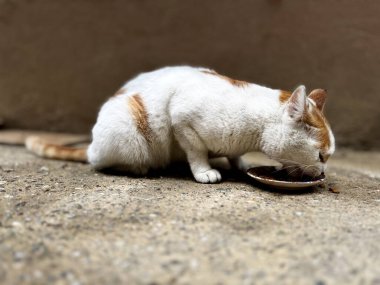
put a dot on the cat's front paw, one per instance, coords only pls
(209, 176)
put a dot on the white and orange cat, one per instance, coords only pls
(187, 113)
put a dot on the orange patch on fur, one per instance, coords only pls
(140, 116)
(44, 149)
(284, 96)
(235, 82)
(315, 118)
(319, 97)
(65, 153)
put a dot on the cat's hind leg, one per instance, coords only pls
(120, 152)
(197, 155)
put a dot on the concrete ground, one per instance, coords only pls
(63, 223)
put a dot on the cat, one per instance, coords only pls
(192, 113)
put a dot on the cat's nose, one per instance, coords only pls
(322, 173)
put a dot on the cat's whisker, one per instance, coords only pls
(286, 167)
(300, 166)
(295, 169)
(304, 169)
(297, 165)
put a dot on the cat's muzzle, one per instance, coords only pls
(298, 171)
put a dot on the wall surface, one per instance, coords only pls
(59, 60)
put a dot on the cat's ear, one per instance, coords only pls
(296, 105)
(319, 97)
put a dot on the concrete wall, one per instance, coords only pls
(59, 59)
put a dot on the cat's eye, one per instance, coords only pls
(321, 158)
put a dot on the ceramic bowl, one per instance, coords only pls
(269, 175)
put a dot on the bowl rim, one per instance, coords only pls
(299, 183)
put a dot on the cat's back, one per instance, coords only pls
(152, 92)
(152, 87)
(166, 77)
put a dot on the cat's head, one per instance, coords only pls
(304, 140)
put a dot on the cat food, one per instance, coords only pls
(334, 188)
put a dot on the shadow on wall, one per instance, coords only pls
(61, 60)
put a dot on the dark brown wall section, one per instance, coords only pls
(59, 59)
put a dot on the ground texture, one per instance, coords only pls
(63, 223)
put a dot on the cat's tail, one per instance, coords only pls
(48, 150)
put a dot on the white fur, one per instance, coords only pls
(193, 115)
